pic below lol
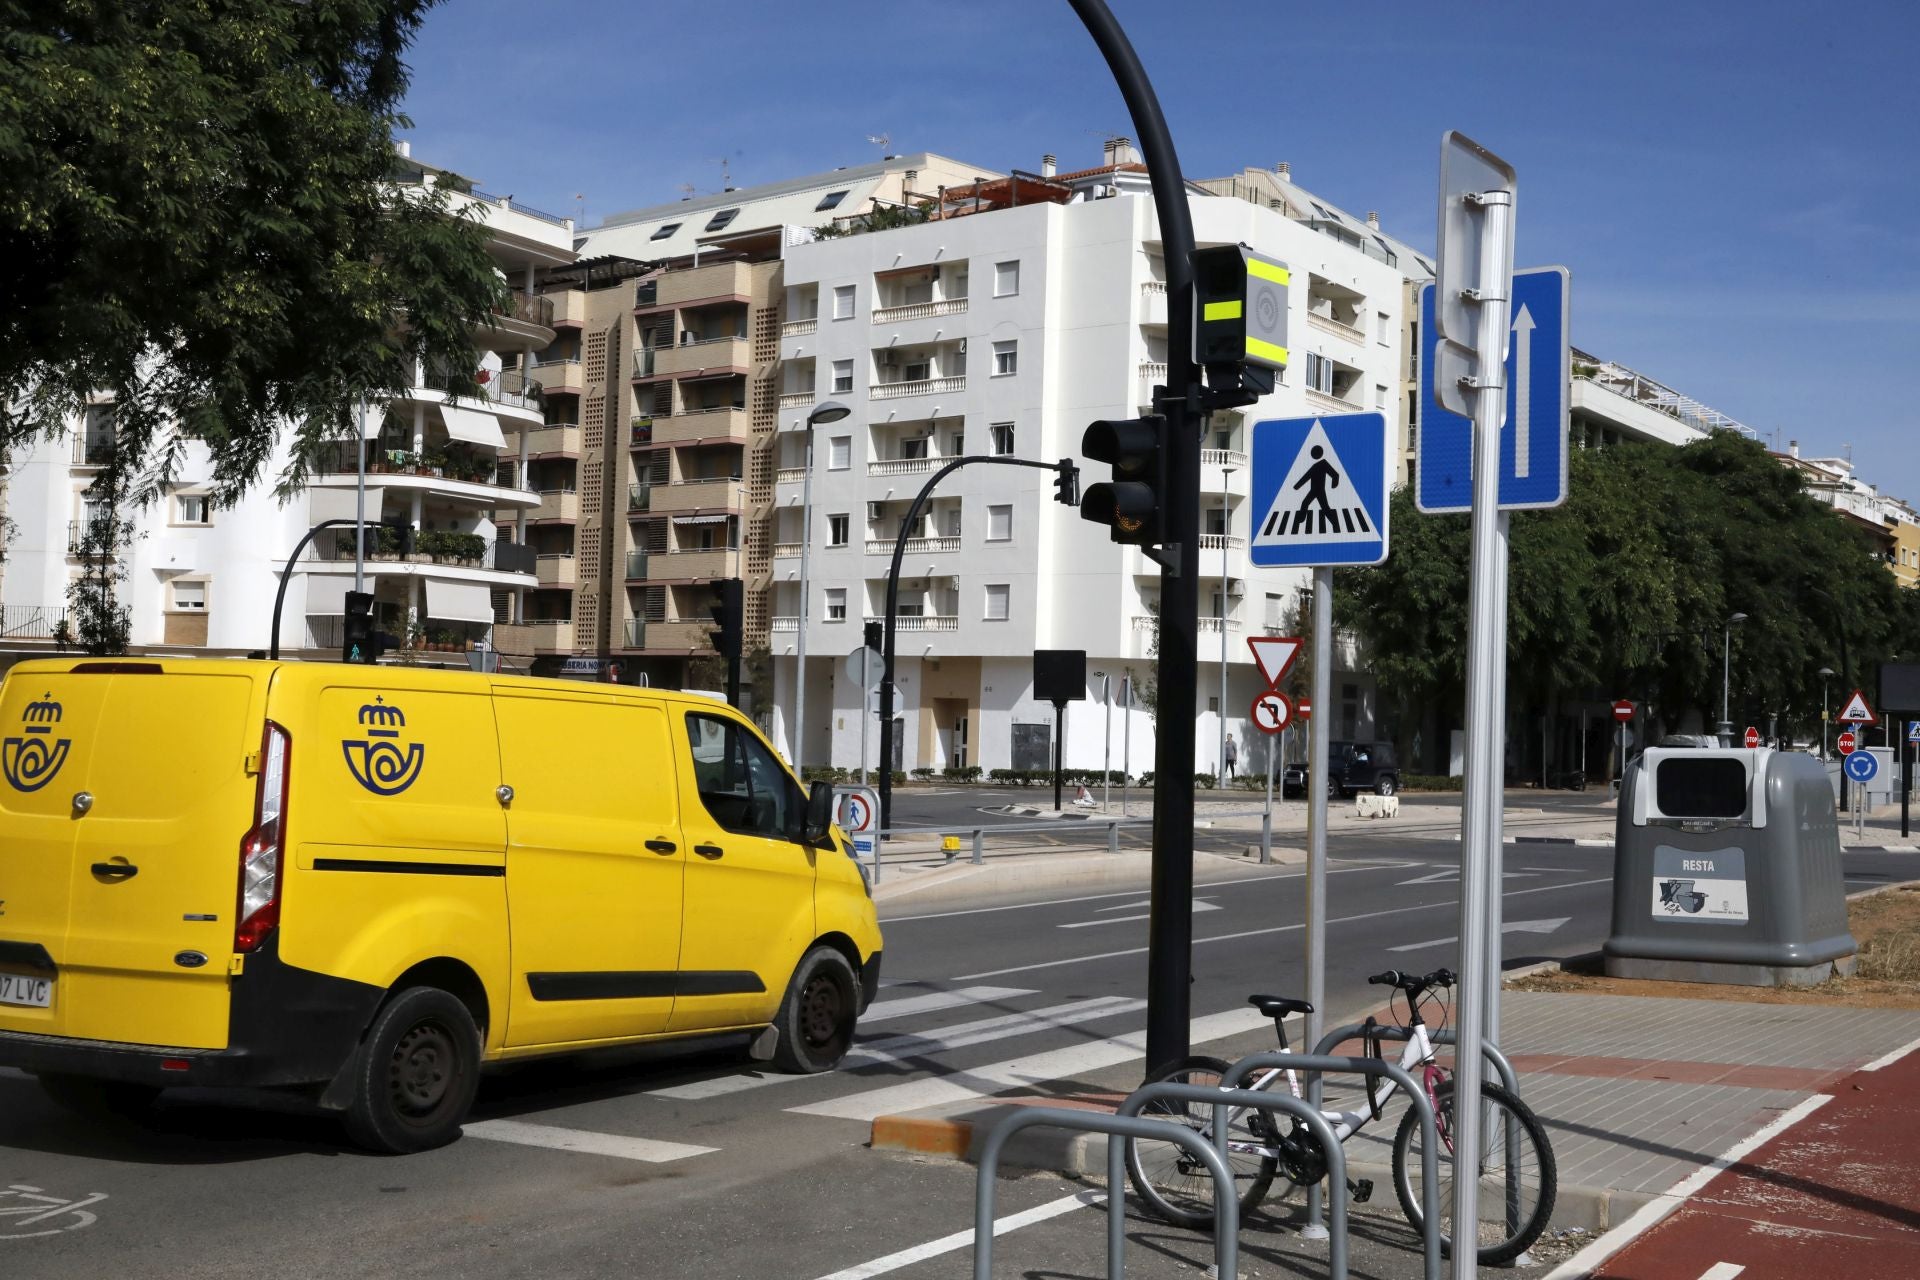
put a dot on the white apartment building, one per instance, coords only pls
(1033, 306)
(203, 580)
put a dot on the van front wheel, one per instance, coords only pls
(817, 1014)
(415, 1074)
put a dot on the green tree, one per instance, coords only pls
(101, 622)
(200, 218)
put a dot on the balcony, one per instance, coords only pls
(922, 622)
(569, 308)
(790, 475)
(559, 376)
(726, 423)
(1211, 625)
(639, 497)
(557, 504)
(798, 399)
(712, 355)
(786, 550)
(915, 546)
(799, 328)
(789, 623)
(1153, 302)
(900, 467)
(467, 476)
(509, 391)
(690, 563)
(703, 284)
(555, 570)
(920, 311)
(1153, 373)
(676, 636)
(1335, 327)
(525, 639)
(92, 451)
(437, 553)
(723, 493)
(556, 441)
(923, 387)
(1218, 458)
(1221, 542)
(1332, 404)
(526, 324)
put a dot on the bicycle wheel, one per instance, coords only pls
(1177, 1185)
(1513, 1210)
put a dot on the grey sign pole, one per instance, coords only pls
(1477, 192)
(360, 496)
(1126, 738)
(866, 710)
(1317, 778)
(1275, 741)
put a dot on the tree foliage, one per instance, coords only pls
(199, 219)
(1626, 589)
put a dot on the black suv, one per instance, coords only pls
(1352, 766)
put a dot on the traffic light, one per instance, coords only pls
(358, 645)
(1130, 504)
(729, 614)
(874, 634)
(1066, 484)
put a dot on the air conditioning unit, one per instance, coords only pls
(875, 510)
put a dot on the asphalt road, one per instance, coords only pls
(668, 1165)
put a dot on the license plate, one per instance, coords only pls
(18, 988)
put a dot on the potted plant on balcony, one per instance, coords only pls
(433, 463)
(469, 548)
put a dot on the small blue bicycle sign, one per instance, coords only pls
(1861, 766)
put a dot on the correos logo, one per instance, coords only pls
(31, 760)
(379, 762)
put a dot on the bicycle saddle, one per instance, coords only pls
(1279, 1006)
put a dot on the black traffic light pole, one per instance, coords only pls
(1170, 931)
(280, 596)
(1067, 472)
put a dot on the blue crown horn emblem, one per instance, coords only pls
(378, 762)
(31, 760)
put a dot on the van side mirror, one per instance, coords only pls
(819, 813)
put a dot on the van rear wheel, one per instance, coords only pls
(817, 1014)
(86, 1096)
(415, 1075)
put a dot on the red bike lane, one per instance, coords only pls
(1835, 1195)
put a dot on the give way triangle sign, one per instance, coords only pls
(1275, 654)
(1856, 711)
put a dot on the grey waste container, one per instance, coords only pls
(1727, 869)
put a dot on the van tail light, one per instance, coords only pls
(260, 848)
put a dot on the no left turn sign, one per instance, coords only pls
(1271, 712)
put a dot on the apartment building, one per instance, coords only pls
(1892, 523)
(653, 458)
(1023, 309)
(202, 579)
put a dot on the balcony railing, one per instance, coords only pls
(1221, 542)
(1153, 372)
(920, 310)
(915, 546)
(799, 328)
(463, 551)
(1223, 458)
(899, 466)
(1335, 327)
(1212, 625)
(92, 451)
(784, 624)
(786, 550)
(555, 570)
(509, 202)
(532, 308)
(637, 563)
(923, 387)
(923, 622)
(797, 399)
(790, 475)
(30, 622)
(1333, 404)
(1153, 288)
(639, 497)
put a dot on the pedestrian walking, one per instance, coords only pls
(1233, 756)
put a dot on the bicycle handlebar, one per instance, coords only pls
(1411, 984)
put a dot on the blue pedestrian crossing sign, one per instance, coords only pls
(1319, 491)
(1533, 439)
(1861, 766)
(1913, 731)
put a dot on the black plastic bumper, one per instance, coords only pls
(288, 1026)
(869, 980)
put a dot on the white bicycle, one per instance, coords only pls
(1518, 1179)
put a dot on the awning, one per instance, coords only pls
(722, 519)
(372, 417)
(327, 594)
(473, 426)
(338, 504)
(459, 601)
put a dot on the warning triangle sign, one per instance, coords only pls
(1275, 655)
(1856, 711)
(1317, 502)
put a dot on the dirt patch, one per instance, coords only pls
(1885, 924)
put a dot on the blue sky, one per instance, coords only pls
(1734, 185)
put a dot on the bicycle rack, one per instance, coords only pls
(1417, 1098)
(1226, 1223)
(1490, 1051)
(1228, 1211)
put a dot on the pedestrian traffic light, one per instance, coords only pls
(729, 610)
(358, 646)
(1130, 504)
(1066, 484)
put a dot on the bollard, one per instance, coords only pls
(1113, 837)
(950, 845)
(978, 855)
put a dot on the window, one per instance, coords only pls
(913, 447)
(837, 530)
(999, 524)
(191, 508)
(1382, 328)
(997, 602)
(1379, 397)
(190, 595)
(837, 602)
(839, 453)
(1319, 374)
(1002, 433)
(1006, 279)
(956, 444)
(842, 377)
(843, 302)
(665, 231)
(720, 220)
(1223, 439)
(1006, 358)
(831, 200)
(742, 786)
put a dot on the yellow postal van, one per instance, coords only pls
(365, 882)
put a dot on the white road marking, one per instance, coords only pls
(1512, 926)
(1199, 905)
(1389, 865)
(934, 1001)
(1452, 874)
(1722, 1271)
(1261, 933)
(961, 1239)
(1888, 1059)
(617, 1145)
(1037, 1068)
(1656, 1210)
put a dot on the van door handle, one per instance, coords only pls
(115, 870)
(662, 846)
(709, 850)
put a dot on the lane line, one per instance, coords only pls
(1261, 933)
(1722, 1271)
(962, 1239)
(650, 1150)
(1888, 1059)
(933, 1002)
(1656, 1210)
(1134, 893)
(1199, 905)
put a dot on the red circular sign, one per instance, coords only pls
(1846, 743)
(1271, 711)
(1623, 711)
(1753, 737)
(1303, 708)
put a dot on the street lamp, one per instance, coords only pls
(1726, 672)
(825, 411)
(1226, 530)
(1826, 674)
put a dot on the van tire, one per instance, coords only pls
(415, 1074)
(817, 1014)
(93, 1098)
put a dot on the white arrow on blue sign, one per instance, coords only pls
(1861, 766)
(1533, 442)
(1319, 491)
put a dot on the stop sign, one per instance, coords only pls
(1846, 743)
(1623, 711)
(1753, 736)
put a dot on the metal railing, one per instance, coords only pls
(976, 836)
(92, 451)
(30, 622)
(533, 308)
(508, 202)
